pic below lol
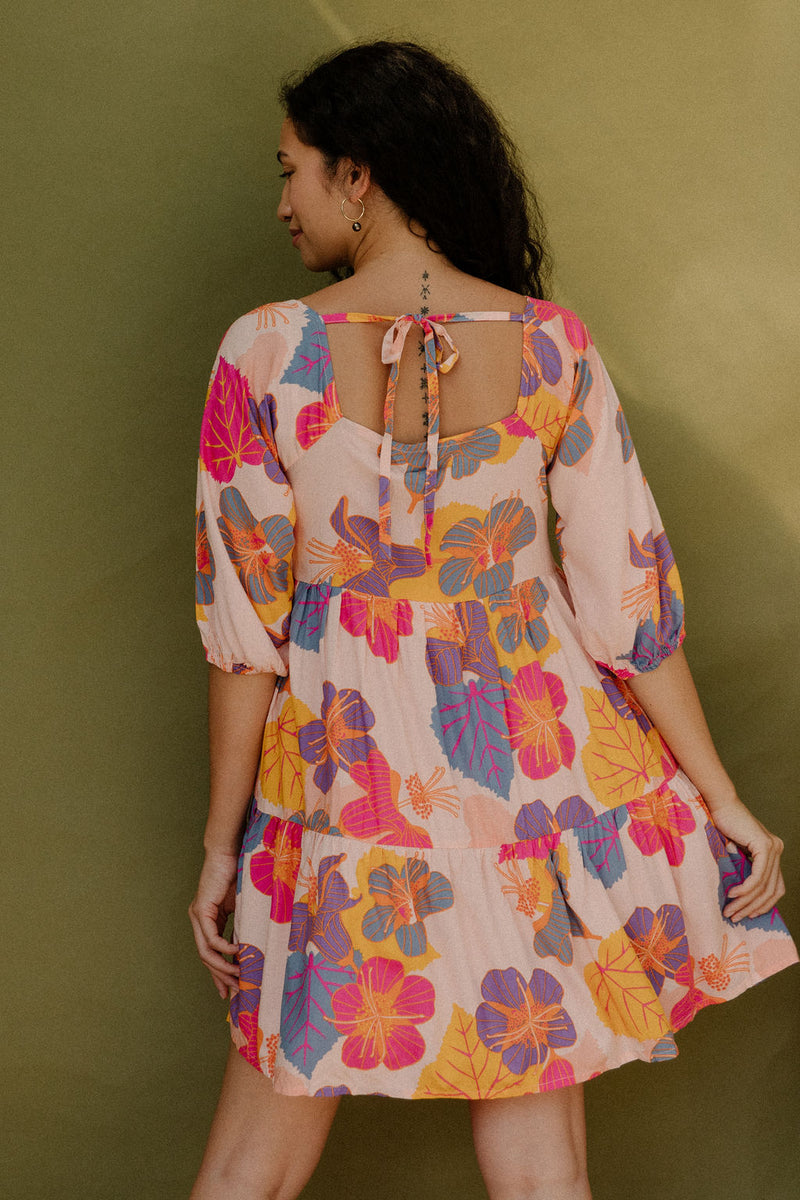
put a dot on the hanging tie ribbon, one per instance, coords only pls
(436, 360)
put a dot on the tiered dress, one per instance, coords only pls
(471, 866)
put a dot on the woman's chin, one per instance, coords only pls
(315, 260)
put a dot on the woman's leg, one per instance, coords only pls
(533, 1147)
(262, 1145)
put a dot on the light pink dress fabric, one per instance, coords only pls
(471, 865)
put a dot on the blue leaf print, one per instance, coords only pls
(310, 614)
(307, 1029)
(581, 385)
(310, 366)
(575, 442)
(601, 846)
(625, 435)
(555, 938)
(653, 643)
(664, 1050)
(465, 454)
(469, 720)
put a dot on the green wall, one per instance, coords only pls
(141, 183)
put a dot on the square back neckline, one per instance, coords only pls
(464, 316)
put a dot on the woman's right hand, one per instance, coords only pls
(764, 887)
(209, 912)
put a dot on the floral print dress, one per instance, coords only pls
(471, 866)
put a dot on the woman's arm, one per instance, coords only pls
(237, 712)
(669, 697)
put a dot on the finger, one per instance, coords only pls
(761, 864)
(215, 962)
(212, 937)
(222, 985)
(206, 952)
(743, 902)
(757, 900)
(766, 899)
(218, 942)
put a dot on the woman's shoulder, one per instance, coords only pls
(278, 315)
(562, 322)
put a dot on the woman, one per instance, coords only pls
(492, 851)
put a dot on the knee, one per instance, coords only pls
(241, 1179)
(562, 1185)
(563, 1178)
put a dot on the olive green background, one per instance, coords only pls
(141, 192)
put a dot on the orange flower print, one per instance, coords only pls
(717, 969)
(270, 314)
(533, 890)
(424, 797)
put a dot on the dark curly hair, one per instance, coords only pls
(436, 149)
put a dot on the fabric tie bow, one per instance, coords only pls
(437, 340)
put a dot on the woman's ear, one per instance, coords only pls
(356, 181)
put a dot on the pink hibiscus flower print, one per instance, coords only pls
(339, 738)
(379, 1014)
(484, 550)
(536, 700)
(407, 897)
(694, 999)
(381, 620)
(376, 815)
(274, 869)
(259, 550)
(523, 1021)
(659, 819)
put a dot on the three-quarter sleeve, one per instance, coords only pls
(244, 522)
(618, 562)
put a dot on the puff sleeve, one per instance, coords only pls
(245, 520)
(619, 566)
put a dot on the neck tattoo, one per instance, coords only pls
(424, 291)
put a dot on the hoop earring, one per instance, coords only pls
(356, 220)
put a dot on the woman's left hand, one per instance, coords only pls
(764, 886)
(209, 912)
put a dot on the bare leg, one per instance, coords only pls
(262, 1145)
(533, 1147)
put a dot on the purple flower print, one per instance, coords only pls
(340, 738)
(523, 1021)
